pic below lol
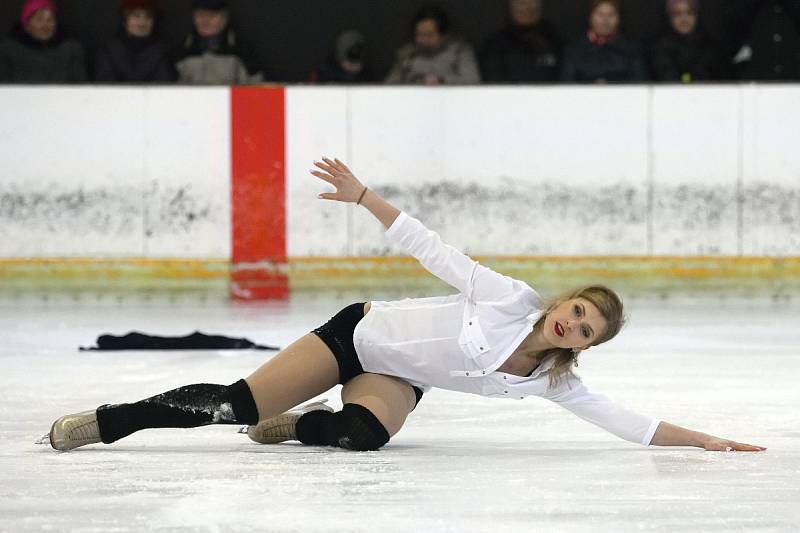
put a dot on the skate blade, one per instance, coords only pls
(45, 439)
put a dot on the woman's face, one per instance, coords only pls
(426, 35)
(575, 323)
(604, 20)
(139, 23)
(42, 25)
(683, 18)
(209, 23)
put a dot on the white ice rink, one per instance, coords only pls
(462, 463)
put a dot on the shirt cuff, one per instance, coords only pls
(651, 431)
(396, 225)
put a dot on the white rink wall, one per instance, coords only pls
(114, 172)
(670, 170)
(145, 172)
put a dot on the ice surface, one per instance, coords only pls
(462, 463)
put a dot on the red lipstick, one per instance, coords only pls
(559, 330)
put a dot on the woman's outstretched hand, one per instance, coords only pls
(348, 188)
(723, 445)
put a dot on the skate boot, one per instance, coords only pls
(281, 427)
(72, 431)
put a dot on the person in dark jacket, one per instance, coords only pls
(685, 53)
(136, 55)
(347, 63)
(604, 55)
(212, 54)
(35, 52)
(766, 39)
(525, 51)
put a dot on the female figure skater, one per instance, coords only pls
(496, 337)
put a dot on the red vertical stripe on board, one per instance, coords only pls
(258, 158)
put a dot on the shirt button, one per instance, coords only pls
(467, 373)
(470, 323)
(505, 392)
(481, 348)
(483, 372)
(505, 377)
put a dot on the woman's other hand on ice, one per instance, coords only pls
(348, 188)
(723, 445)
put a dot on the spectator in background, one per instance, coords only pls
(603, 55)
(35, 52)
(136, 55)
(685, 54)
(211, 55)
(767, 35)
(525, 51)
(347, 62)
(435, 57)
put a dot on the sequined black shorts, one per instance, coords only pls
(337, 334)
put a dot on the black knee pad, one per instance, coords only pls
(353, 428)
(360, 429)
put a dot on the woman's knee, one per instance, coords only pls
(355, 427)
(390, 399)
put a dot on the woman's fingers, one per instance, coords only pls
(324, 176)
(326, 167)
(731, 446)
(342, 166)
(327, 196)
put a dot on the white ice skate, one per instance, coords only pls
(281, 427)
(72, 431)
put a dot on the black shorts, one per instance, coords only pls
(337, 334)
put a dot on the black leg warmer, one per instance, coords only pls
(184, 407)
(352, 428)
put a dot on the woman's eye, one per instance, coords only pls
(585, 332)
(577, 311)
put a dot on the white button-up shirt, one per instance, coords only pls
(458, 342)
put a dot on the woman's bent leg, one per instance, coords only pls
(375, 408)
(304, 369)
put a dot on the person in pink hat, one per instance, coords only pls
(35, 52)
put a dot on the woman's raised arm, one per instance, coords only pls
(349, 189)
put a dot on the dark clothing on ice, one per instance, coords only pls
(23, 59)
(588, 61)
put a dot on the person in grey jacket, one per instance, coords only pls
(496, 338)
(35, 52)
(435, 57)
(212, 54)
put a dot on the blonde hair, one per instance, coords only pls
(610, 306)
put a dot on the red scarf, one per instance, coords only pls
(598, 40)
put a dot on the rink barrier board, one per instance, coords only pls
(320, 274)
(258, 193)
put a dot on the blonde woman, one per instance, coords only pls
(495, 337)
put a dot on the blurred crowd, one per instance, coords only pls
(527, 50)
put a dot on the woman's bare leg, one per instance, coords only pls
(304, 369)
(389, 398)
